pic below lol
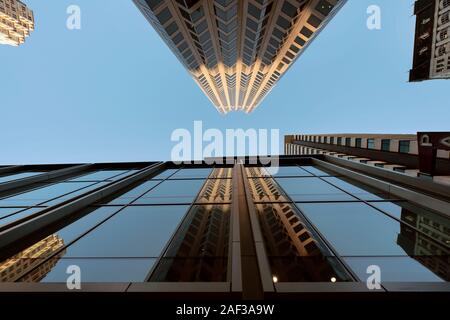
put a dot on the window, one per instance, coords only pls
(331, 140)
(348, 142)
(403, 146)
(339, 141)
(307, 189)
(370, 143)
(358, 142)
(385, 145)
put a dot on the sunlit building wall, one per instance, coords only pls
(16, 22)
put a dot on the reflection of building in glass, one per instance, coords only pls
(243, 236)
(262, 187)
(422, 248)
(237, 50)
(294, 254)
(216, 191)
(199, 250)
(30, 258)
(16, 22)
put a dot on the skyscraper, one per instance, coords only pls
(237, 50)
(432, 40)
(16, 22)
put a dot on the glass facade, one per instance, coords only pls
(17, 176)
(181, 225)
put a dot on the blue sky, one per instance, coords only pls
(113, 91)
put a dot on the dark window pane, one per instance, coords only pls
(199, 251)
(351, 187)
(103, 175)
(293, 171)
(16, 176)
(356, 229)
(52, 243)
(172, 191)
(134, 193)
(165, 174)
(11, 215)
(93, 270)
(124, 247)
(318, 172)
(385, 144)
(312, 189)
(205, 269)
(294, 251)
(76, 193)
(192, 173)
(403, 146)
(139, 232)
(42, 194)
(432, 224)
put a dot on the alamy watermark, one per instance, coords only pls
(73, 21)
(73, 281)
(373, 282)
(217, 147)
(374, 19)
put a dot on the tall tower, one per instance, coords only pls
(237, 50)
(16, 22)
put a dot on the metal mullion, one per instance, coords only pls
(258, 239)
(234, 241)
(41, 178)
(10, 169)
(47, 185)
(99, 170)
(41, 204)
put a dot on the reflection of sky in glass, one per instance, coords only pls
(16, 176)
(355, 229)
(312, 189)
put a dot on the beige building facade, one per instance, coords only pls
(16, 22)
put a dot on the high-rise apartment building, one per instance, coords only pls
(432, 40)
(237, 50)
(237, 230)
(16, 22)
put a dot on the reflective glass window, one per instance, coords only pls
(16, 176)
(192, 173)
(122, 249)
(312, 189)
(103, 175)
(172, 191)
